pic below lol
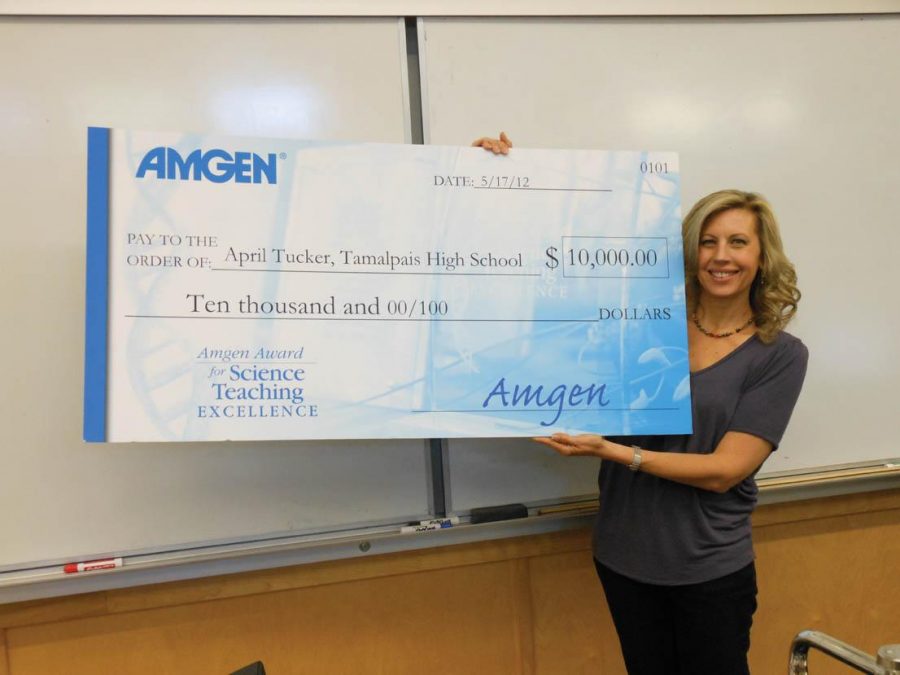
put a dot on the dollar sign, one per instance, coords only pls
(553, 263)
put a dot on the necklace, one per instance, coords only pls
(719, 335)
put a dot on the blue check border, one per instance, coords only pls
(96, 284)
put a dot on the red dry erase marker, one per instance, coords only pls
(92, 565)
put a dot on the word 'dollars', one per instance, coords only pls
(215, 165)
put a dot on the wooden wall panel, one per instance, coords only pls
(524, 628)
(529, 605)
(837, 575)
(4, 662)
(573, 630)
(455, 620)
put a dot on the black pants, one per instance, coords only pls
(698, 629)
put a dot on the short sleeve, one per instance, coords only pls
(765, 405)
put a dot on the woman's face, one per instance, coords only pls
(729, 255)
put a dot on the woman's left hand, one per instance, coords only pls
(499, 146)
(582, 444)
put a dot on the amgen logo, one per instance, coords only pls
(217, 166)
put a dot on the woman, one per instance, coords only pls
(672, 541)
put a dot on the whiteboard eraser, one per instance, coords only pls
(490, 514)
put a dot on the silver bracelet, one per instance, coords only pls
(635, 459)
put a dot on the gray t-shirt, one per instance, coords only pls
(662, 532)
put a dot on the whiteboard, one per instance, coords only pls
(61, 499)
(801, 109)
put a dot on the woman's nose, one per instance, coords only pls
(721, 252)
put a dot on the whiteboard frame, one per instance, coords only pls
(235, 557)
(445, 7)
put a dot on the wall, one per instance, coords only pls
(525, 605)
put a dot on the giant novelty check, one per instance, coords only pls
(247, 288)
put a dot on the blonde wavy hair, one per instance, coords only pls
(773, 294)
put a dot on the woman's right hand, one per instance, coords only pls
(499, 146)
